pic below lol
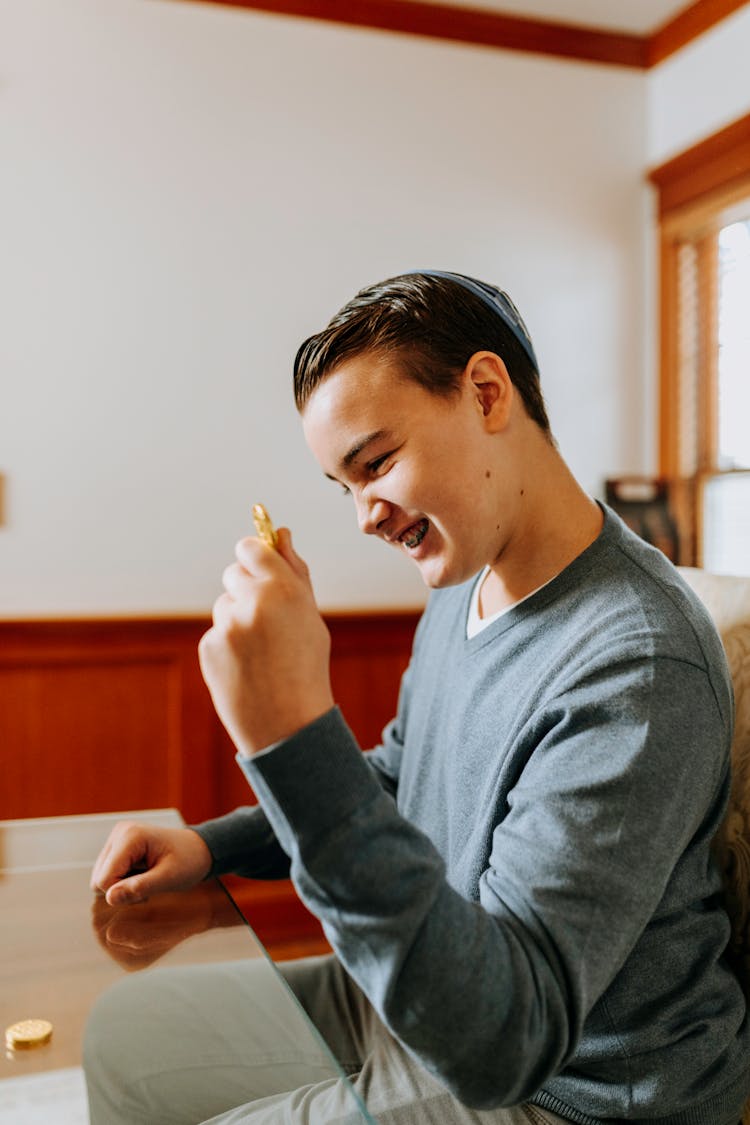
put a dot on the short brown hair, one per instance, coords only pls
(433, 324)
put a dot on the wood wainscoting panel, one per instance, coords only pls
(93, 735)
(370, 655)
(109, 715)
(102, 715)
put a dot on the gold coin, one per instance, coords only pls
(264, 527)
(28, 1033)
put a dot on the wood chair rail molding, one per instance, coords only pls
(112, 714)
(510, 32)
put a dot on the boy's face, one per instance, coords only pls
(420, 467)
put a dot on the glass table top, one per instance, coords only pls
(62, 946)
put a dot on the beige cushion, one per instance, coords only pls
(726, 598)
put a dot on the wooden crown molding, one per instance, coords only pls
(465, 25)
(687, 25)
(715, 164)
(515, 33)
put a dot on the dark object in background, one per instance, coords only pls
(643, 503)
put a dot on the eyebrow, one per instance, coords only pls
(357, 448)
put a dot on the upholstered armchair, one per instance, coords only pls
(728, 601)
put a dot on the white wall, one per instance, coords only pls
(188, 191)
(699, 90)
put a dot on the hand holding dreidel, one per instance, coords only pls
(266, 658)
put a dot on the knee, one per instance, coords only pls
(113, 1027)
(116, 1048)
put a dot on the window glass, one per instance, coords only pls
(725, 546)
(734, 346)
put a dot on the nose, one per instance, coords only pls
(371, 512)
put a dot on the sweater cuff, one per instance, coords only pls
(219, 835)
(311, 782)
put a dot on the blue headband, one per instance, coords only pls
(495, 299)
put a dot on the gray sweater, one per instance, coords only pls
(519, 878)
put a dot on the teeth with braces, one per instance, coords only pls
(414, 538)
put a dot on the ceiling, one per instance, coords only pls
(638, 17)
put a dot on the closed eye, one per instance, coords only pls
(374, 466)
(372, 469)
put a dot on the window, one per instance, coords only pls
(734, 346)
(704, 432)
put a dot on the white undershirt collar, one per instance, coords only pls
(474, 623)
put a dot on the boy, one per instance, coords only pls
(517, 884)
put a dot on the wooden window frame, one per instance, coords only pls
(695, 190)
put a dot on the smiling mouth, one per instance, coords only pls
(414, 535)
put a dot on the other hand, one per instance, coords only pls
(139, 860)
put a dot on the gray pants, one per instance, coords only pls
(212, 1043)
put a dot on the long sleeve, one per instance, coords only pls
(244, 843)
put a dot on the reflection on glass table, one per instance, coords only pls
(64, 952)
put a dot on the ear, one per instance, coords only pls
(489, 384)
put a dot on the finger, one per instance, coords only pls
(99, 866)
(257, 558)
(132, 849)
(237, 582)
(127, 892)
(287, 551)
(222, 612)
(124, 850)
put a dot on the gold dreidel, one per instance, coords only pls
(264, 527)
